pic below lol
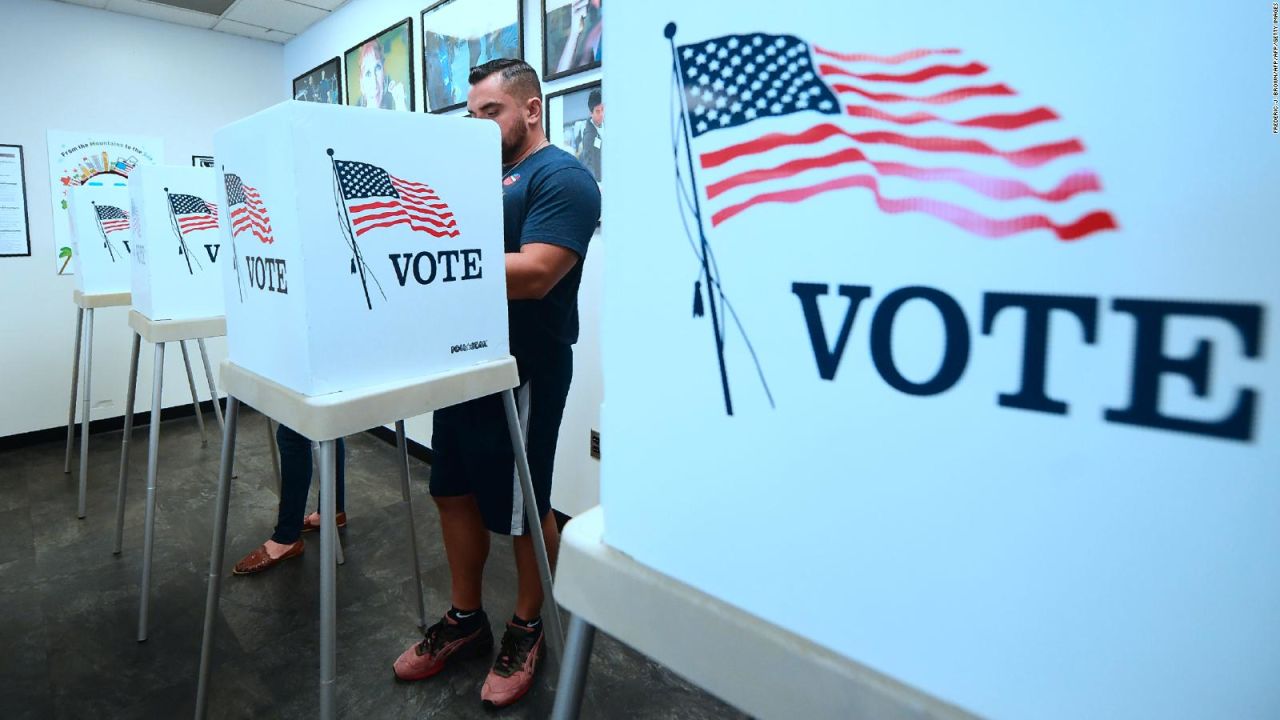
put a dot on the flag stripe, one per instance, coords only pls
(884, 59)
(969, 220)
(400, 217)
(916, 76)
(942, 98)
(398, 210)
(1009, 121)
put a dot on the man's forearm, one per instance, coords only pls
(532, 272)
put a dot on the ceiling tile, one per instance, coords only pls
(323, 4)
(239, 28)
(162, 12)
(88, 3)
(283, 15)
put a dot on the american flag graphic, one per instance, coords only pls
(112, 218)
(247, 210)
(377, 199)
(193, 213)
(775, 119)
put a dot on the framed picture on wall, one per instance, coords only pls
(571, 32)
(575, 123)
(380, 71)
(15, 232)
(457, 35)
(320, 84)
(205, 161)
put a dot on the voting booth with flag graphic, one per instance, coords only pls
(177, 246)
(367, 246)
(101, 228)
(978, 382)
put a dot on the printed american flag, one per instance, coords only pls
(193, 213)
(113, 219)
(377, 199)
(777, 120)
(247, 210)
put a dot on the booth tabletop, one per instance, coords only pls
(158, 331)
(335, 415)
(101, 300)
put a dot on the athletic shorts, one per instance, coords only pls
(471, 444)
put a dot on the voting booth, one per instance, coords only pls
(101, 232)
(367, 245)
(965, 319)
(177, 247)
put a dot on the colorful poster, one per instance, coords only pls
(79, 158)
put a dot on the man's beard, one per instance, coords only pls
(511, 146)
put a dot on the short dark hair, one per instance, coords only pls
(518, 77)
(593, 99)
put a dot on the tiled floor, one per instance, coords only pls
(69, 607)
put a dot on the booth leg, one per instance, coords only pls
(123, 485)
(153, 461)
(75, 387)
(402, 448)
(573, 673)
(328, 579)
(195, 398)
(551, 611)
(215, 554)
(84, 411)
(213, 386)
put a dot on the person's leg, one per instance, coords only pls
(295, 483)
(466, 545)
(529, 596)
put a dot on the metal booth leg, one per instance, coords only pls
(75, 387)
(551, 611)
(195, 399)
(84, 411)
(213, 387)
(123, 484)
(573, 674)
(328, 579)
(332, 517)
(402, 448)
(153, 460)
(216, 553)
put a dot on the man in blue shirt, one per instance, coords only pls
(551, 205)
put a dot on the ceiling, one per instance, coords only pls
(271, 20)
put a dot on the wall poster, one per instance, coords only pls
(15, 233)
(79, 158)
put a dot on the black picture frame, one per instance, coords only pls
(548, 73)
(548, 118)
(422, 30)
(346, 61)
(26, 204)
(204, 161)
(334, 64)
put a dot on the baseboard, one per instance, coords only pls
(103, 425)
(416, 449)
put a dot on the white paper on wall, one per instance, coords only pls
(101, 232)
(998, 406)
(368, 246)
(177, 247)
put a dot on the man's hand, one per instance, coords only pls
(532, 272)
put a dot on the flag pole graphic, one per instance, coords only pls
(183, 250)
(106, 242)
(235, 255)
(670, 32)
(357, 258)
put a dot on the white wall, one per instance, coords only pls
(576, 485)
(77, 68)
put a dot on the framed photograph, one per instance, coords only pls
(571, 32)
(380, 70)
(320, 84)
(15, 233)
(575, 123)
(202, 161)
(457, 35)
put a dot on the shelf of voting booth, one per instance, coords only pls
(321, 345)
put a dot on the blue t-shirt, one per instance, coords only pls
(549, 198)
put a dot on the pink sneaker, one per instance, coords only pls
(443, 641)
(512, 673)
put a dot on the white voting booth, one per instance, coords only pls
(177, 296)
(995, 424)
(368, 286)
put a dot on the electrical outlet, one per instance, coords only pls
(595, 444)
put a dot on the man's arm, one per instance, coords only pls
(532, 272)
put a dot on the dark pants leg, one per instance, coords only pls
(295, 483)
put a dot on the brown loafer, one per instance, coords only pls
(259, 560)
(307, 526)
